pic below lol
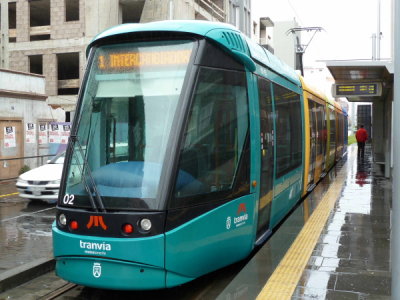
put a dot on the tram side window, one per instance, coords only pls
(341, 129)
(321, 128)
(214, 160)
(332, 130)
(288, 130)
(324, 131)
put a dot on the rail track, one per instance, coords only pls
(58, 292)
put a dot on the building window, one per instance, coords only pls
(234, 15)
(12, 16)
(39, 20)
(131, 11)
(36, 64)
(12, 22)
(39, 12)
(40, 37)
(68, 73)
(71, 10)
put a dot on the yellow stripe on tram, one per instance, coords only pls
(283, 281)
(2, 196)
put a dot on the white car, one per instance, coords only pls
(42, 183)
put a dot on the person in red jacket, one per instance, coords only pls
(361, 137)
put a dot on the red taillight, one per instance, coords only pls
(74, 225)
(127, 228)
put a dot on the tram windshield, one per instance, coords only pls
(124, 124)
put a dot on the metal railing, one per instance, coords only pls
(29, 161)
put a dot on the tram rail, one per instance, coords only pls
(58, 292)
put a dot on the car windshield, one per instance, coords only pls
(58, 159)
(125, 122)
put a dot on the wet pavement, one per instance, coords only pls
(352, 257)
(25, 230)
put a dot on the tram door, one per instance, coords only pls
(313, 140)
(267, 156)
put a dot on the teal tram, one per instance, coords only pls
(190, 144)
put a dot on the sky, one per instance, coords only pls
(348, 26)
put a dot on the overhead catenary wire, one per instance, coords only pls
(295, 11)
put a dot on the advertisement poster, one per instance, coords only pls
(30, 133)
(55, 134)
(9, 137)
(65, 133)
(43, 139)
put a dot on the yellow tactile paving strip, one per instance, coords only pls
(283, 281)
(1, 196)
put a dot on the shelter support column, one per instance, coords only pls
(378, 135)
(395, 241)
(381, 135)
(388, 137)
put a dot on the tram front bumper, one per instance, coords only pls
(109, 274)
(110, 263)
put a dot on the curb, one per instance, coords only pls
(19, 275)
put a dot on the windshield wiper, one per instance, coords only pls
(86, 169)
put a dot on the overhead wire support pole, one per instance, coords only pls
(378, 31)
(395, 242)
(301, 48)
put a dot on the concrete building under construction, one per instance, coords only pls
(49, 37)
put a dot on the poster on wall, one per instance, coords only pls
(9, 137)
(66, 129)
(43, 139)
(54, 134)
(59, 133)
(30, 133)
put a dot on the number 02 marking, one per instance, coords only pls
(69, 199)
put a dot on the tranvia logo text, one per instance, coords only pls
(241, 217)
(95, 248)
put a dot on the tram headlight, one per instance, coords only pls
(145, 224)
(62, 219)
